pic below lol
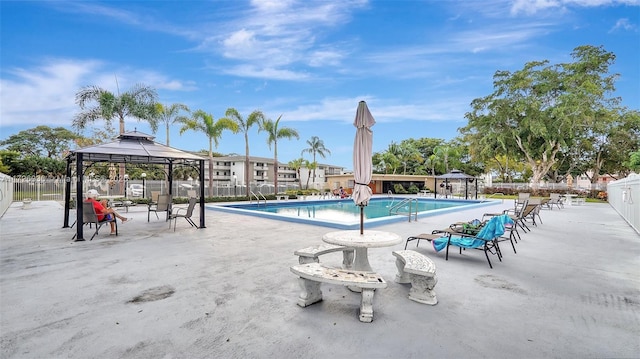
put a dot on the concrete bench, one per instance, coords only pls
(313, 274)
(420, 271)
(282, 197)
(311, 254)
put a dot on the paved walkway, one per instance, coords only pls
(571, 291)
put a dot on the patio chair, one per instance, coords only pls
(485, 240)
(187, 215)
(555, 199)
(163, 205)
(90, 217)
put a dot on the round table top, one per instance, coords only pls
(368, 239)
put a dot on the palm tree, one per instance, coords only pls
(168, 115)
(444, 152)
(256, 117)
(274, 134)
(297, 165)
(204, 122)
(311, 166)
(316, 146)
(137, 102)
(96, 103)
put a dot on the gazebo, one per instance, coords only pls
(129, 147)
(455, 174)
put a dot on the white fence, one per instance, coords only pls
(52, 189)
(624, 197)
(550, 186)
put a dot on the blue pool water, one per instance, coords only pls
(344, 214)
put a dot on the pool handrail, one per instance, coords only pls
(410, 202)
(253, 194)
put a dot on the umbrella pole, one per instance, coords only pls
(361, 219)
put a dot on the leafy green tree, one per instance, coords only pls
(378, 162)
(41, 141)
(634, 161)
(18, 165)
(244, 125)
(167, 115)
(273, 134)
(205, 123)
(316, 147)
(540, 110)
(9, 160)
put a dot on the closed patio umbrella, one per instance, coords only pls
(362, 152)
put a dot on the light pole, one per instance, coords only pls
(235, 181)
(126, 184)
(144, 176)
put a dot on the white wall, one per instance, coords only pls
(624, 197)
(6, 193)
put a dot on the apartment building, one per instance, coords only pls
(231, 169)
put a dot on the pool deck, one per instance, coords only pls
(226, 291)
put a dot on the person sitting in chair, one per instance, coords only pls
(343, 194)
(102, 211)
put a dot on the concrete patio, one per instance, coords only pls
(226, 291)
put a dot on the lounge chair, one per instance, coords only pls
(536, 211)
(90, 217)
(187, 215)
(485, 240)
(522, 197)
(471, 227)
(163, 205)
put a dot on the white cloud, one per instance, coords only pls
(277, 35)
(530, 7)
(623, 24)
(343, 110)
(45, 94)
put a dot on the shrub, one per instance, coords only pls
(398, 188)
(603, 196)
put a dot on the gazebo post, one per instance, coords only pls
(79, 191)
(201, 179)
(67, 193)
(435, 187)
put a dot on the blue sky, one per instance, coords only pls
(418, 64)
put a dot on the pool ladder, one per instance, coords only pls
(410, 203)
(259, 198)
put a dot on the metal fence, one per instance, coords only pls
(52, 189)
(624, 197)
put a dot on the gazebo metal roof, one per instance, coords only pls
(129, 147)
(135, 147)
(455, 174)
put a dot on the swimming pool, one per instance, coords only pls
(344, 214)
